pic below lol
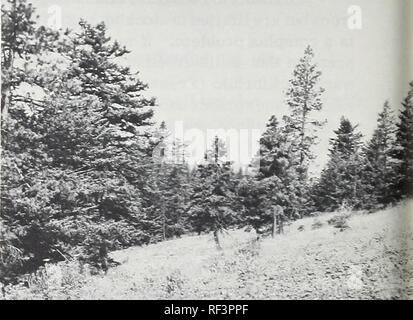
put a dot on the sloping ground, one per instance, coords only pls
(311, 260)
(366, 261)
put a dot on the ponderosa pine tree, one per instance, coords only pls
(404, 148)
(301, 125)
(340, 182)
(304, 98)
(378, 170)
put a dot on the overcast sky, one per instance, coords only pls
(226, 63)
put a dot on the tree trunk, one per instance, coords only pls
(164, 227)
(5, 100)
(302, 133)
(216, 238)
(6, 89)
(258, 233)
(274, 223)
(281, 224)
(4, 105)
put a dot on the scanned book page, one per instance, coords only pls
(206, 149)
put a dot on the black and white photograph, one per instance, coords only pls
(181, 150)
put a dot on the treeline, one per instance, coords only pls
(86, 170)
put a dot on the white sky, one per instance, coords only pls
(226, 63)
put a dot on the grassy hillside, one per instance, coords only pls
(312, 260)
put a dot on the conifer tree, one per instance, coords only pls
(166, 193)
(212, 198)
(22, 230)
(378, 171)
(23, 42)
(123, 108)
(254, 197)
(273, 153)
(76, 166)
(17, 31)
(277, 167)
(300, 127)
(304, 98)
(404, 147)
(340, 180)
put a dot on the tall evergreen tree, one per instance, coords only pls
(277, 165)
(340, 183)
(273, 153)
(301, 125)
(404, 147)
(378, 171)
(166, 191)
(274, 185)
(22, 41)
(23, 232)
(303, 98)
(255, 198)
(75, 166)
(123, 108)
(212, 198)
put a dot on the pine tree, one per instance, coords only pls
(255, 198)
(166, 191)
(75, 169)
(160, 143)
(340, 183)
(22, 40)
(378, 171)
(303, 98)
(18, 29)
(212, 196)
(277, 164)
(123, 108)
(273, 153)
(25, 238)
(300, 128)
(404, 147)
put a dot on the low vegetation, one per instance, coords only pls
(367, 261)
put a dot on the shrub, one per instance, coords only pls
(339, 221)
(317, 224)
(174, 282)
(61, 281)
